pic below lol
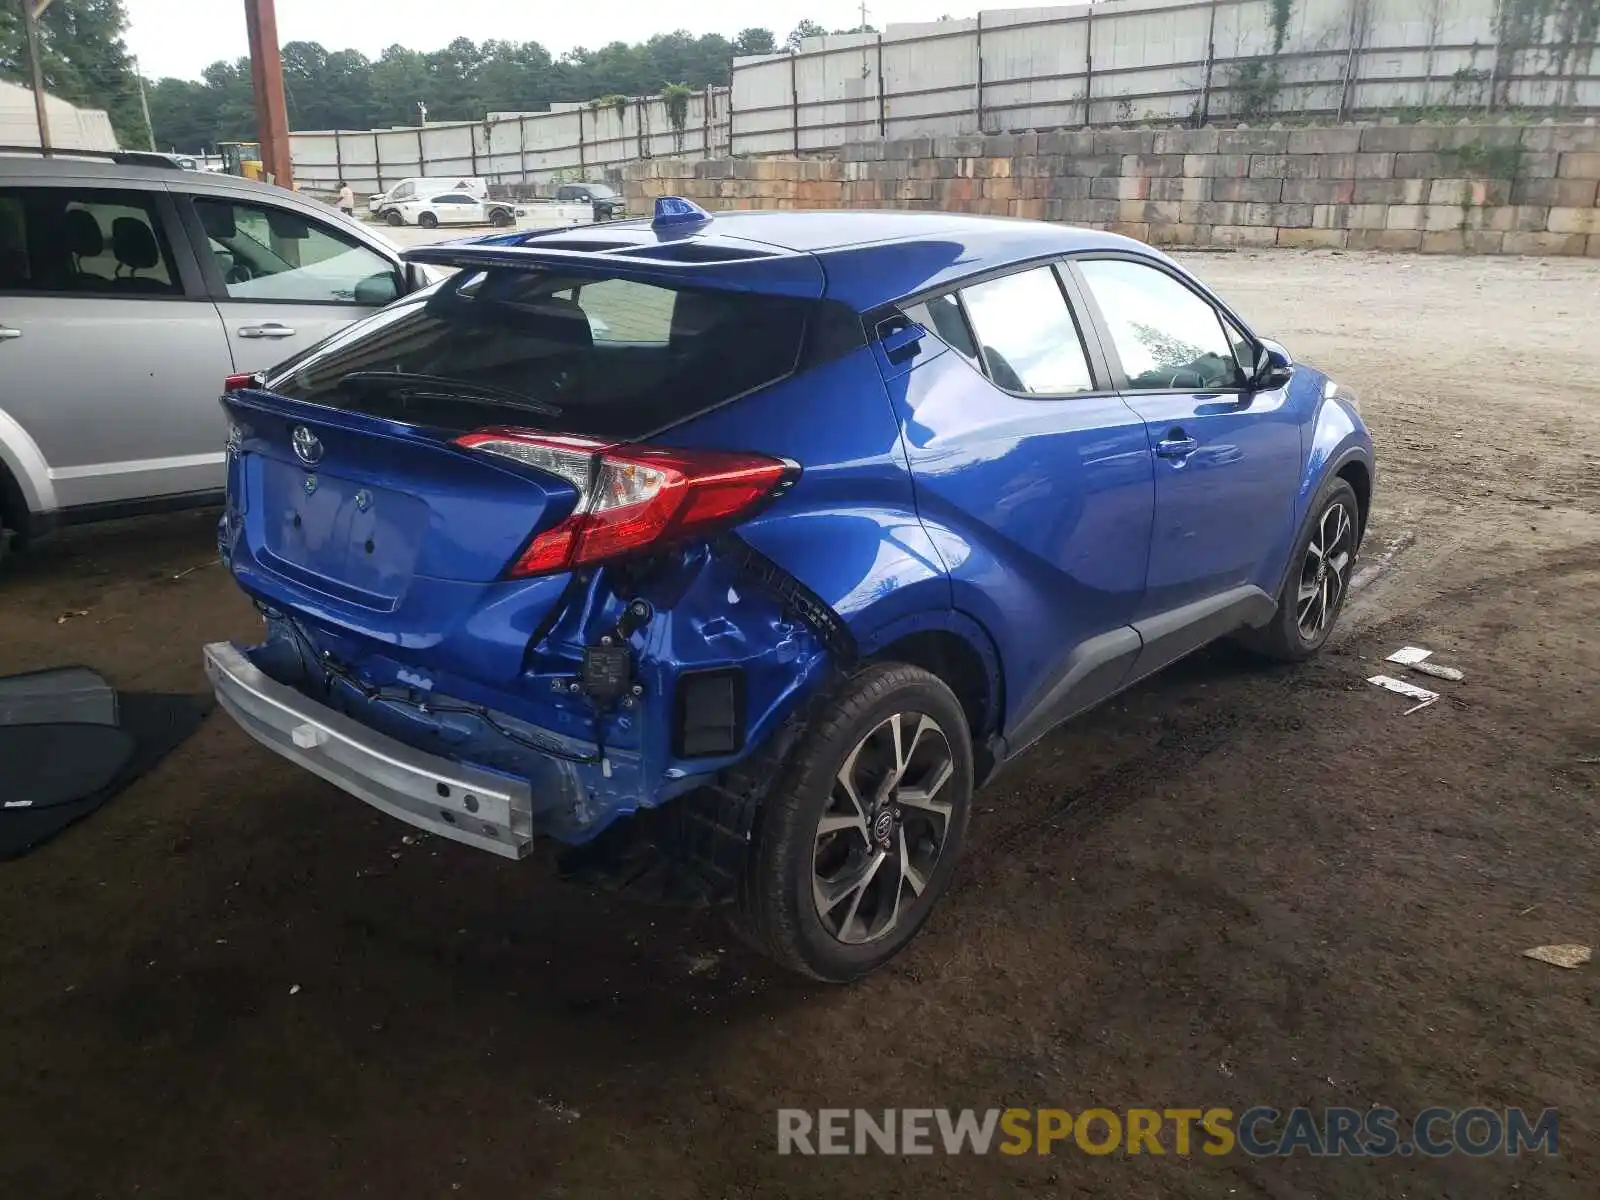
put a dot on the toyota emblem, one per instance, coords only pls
(883, 827)
(307, 446)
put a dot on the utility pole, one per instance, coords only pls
(144, 106)
(32, 10)
(266, 77)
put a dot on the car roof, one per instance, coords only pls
(869, 258)
(26, 166)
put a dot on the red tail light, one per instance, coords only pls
(632, 497)
(234, 382)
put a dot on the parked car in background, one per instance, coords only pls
(129, 289)
(746, 547)
(601, 197)
(410, 189)
(452, 208)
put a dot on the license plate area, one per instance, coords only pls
(343, 536)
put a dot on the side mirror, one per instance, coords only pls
(378, 290)
(1274, 367)
(901, 341)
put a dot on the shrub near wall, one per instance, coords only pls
(1483, 189)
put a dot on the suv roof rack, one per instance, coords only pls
(123, 158)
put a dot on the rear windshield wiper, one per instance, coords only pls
(442, 387)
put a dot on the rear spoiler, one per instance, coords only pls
(770, 272)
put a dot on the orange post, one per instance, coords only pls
(266, 76)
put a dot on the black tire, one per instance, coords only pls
(393, 217)
(13, 515)
(427, 220)
(776, 908)
(500, 217)
(1293, 634)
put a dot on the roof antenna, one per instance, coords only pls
(674, 211)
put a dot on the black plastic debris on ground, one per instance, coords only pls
(69, 743)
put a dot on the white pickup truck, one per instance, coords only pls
(553, 214)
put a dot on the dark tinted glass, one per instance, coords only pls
(99, 242)
(602, 357)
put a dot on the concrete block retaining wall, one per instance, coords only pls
(1477, 189)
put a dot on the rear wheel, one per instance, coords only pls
(860, 835)
(13, 513)
(500, 218)
(428, 221)
(1318, 582)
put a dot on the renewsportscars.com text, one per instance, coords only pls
(1262, 1131)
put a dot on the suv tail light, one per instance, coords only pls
(234, 382)
(632, 497)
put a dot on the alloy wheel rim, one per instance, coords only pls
(883, 829)
(1324, 575)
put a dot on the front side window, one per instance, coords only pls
(404, 192)
(1167, 337)
(1027, 339)
(266, 253)
(104, 243)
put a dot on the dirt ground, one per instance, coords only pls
(1234, 886)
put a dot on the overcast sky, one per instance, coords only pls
(168, 40)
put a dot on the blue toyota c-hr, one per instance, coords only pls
(735, 551)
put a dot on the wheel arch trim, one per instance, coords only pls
(958, 624)
(26, 462)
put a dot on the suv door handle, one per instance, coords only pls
(270, 330)
(7, 334)
(1176, 445)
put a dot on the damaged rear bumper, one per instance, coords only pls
(454, 800)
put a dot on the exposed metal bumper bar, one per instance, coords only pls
(453, 800)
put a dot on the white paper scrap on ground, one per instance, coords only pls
(1567, 954)
(1423, 695)
(1404, 688)
(1438, 672)
(1408, 656)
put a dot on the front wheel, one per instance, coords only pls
(393, 217)
(428, 221)
(860, 835)
(499, 218)
(1318, 581)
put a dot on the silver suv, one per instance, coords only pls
(129, 290)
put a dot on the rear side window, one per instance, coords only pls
(85, 241)
(942, 317)
(600, 357)
(1026, 335)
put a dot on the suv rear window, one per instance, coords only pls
(606, 357)
(88, 241)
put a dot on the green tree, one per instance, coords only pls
(83, 57)
(806, 29)
(755, 41)
(341, 89)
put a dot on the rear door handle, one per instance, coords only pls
(270, 330)
(7, 334)
(1176, 445)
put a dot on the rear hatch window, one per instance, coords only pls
(604, 357)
